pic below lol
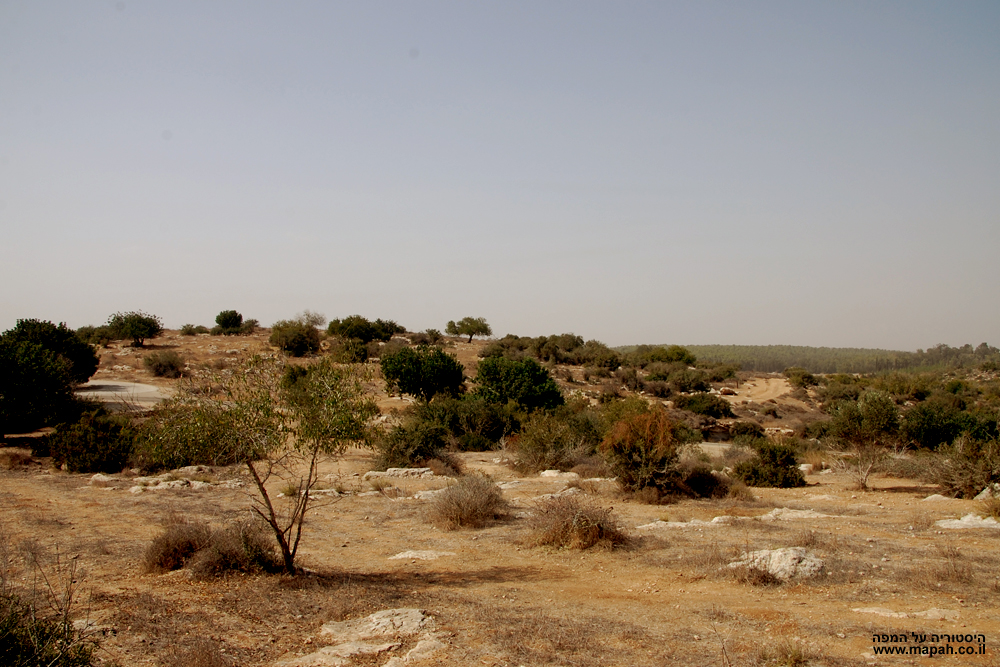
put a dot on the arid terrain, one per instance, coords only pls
(666, 598)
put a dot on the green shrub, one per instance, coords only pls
(228, 323)
(184, 432)
(294, 337)
(525, 382)
(192, 330)
(167, 364)
(135, 325)
(78, 356)
(98, 442)
(774, 466)
(799, 377)
(428, 337)
(409, 445)
(36, 387)
(473, 502)
(568, 522)
(364, 330)
(641, 451)
(548, 442)
(709, 405)
(423, 372)
(92, 335)
(350, 351)
(29, 636)
(472, 423)
(746, 430)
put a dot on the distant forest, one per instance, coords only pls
(776, 358)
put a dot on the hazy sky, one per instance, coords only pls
(703, 172)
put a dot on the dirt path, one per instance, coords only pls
(760, 390)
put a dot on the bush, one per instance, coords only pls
(428, 337)
(174, 547)
(78, 356)
(641, 451)
(409, 445)
(548, 442)
(774, 466)
(472, 423)
(525, 382)
(746, 430)
(95, 335)
(98, 442)
(709, 405)
(35, 387)
(423, 372)
(167, 364)
(473, 502)
(799, 377)
(29, 636)
(135, 325)
(350, 351)
(184, 432)
(192, 330)
(228, 323)
(364, 330)
(294, 337)
(963, 468)
(567, 522)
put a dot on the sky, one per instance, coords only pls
(823, 173)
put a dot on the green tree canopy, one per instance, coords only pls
(525, 382)
(469, 326)
(80, 359)
(424, 371)
(135, 325)
(361, 328)
(36, 386)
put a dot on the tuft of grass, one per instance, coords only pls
(991, 507)
(202, 653)
(473, 502)
(740, 491)
(570, 523)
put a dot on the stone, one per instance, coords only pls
(387, 623)
(193, 470)
(335, 656)
(806, 468)
(102, 480)
(428, 494)
(968, 521)
(557, 474)
(786, 514)
(570, 491)
(425, 648)
(400, 473)
(935, 497)
(421, 555)
(989, 492)
(785, 564)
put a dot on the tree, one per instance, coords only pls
(60, 340)
(469, 326)
(424, 371)
(525, 382)
(136, 325)
(36, 386)
(228, 322)
(361, 328)
(641, 451)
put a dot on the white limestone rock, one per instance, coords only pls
(785, 564)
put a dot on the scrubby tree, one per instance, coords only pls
(525, 382)
(63, 342)
(228, 323)
(469, 326)
(424, 372)
(36, 387)
(641, 451)
(135, 325)
(361, 328)
(294, 337)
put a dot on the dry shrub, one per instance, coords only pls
(592, 467)
(991, 507)
(14, 457)
(740, 491)
(451, 466)
(173, 548)
(570, 523)
(754, 576)
(239, 547)
(473, 502)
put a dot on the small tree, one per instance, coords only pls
(60, 340)
(136, 325)
(469, 326)
(642, 451)
(35, 387)
(294, 337)
(228, 323)
(423, 372)
(525, 382)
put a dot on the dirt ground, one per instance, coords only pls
(665, 599)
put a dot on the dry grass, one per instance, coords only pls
(14, 457)
(740, 491)
(473, 502)
(237, 547)
(991, 507)
(173, 548)
(570, 523)
(202, 653)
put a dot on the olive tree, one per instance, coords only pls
(136, 325)
(469, 326)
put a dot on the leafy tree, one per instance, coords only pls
(36, 386)
(363, 329)
(294, 337)
(424, 371)
(525, 382)
(228, 323)
(469, 326)
(63, 342)
(136, 325)
(872, 418)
